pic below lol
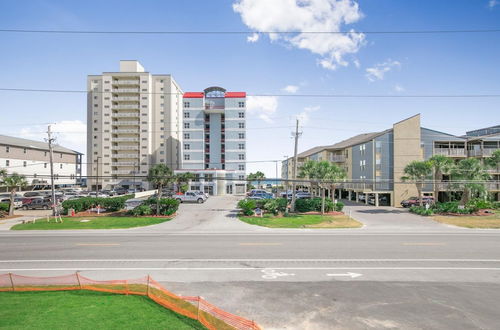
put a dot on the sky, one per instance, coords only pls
(288, 65)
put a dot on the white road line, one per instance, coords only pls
(248, 268)
(251, 260)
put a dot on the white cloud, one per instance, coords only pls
(70, 134)
(378, 71)
(253, 38)
(493, 3)
(263, 107)
(303, 117)
(399, 88)
(357, 64)
(303, 16)
(290, 89)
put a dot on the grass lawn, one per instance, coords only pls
(86, 310)
(94, 223)
(303, 220)
(484, 221)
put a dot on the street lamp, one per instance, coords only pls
(97, 177)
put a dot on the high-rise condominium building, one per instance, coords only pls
(134, 120)
(214, 140)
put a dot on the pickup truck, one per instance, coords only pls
(191, 197)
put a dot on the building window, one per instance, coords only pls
(162, 152)
(7, 162)
(241, 135)
(241, 125)
(241, 115)
(45, 165)
(187, 157)
(24, 150)
(7, 149)
(241, 156)
(60, 166)
(187, 105)
(241, 177)
(25, 163)
(186, 136)
(241, 167)
(187, 146)
(241, 146)
(186, 125)
(60, 155)
(186, 114)
(241, 104)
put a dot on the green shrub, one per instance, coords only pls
(479, 204)
(4, 207)
(275, 206)
(339, 206)
(168, 206)
(82, 204)
(314, 204)
(496, 205)
(453, 207)
(141, 210)
(421, 210)
(247, 206)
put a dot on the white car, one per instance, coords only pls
(191, 197)
(198, 192)
(17, 204)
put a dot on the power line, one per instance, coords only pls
(172, 32)
(486, 95)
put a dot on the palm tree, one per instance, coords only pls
(181, 178)
(257, 176)
(417, 171)
(12, 182)
(472, 175)
(335, 174)
(441, 165)
(494, 160)
(159, 175)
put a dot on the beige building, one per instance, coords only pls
(134, 120)
(31, 159)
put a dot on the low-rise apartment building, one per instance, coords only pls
(214, 140)
(375, 162)
(31, 159)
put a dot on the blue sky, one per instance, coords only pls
(378, 64)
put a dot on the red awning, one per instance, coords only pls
(236, 94)
(192, 95)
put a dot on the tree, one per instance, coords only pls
(322, 173)
(12, 181)
(182, 179)
(160, 175)
(418, 172)
(441, 165)
(494, 160)
(471, 175)
(257, 176)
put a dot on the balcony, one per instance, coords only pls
(337, 158)
(125, 155)
(364, 186)
(125, 90)
(451, 152)
(130, 123)
(487, 152)
(126, 82)
(125, 106)
(136, 147)
(126, 131)
(126, 98)
(124, 164)
(123, 172)
(126, 139)
(126, 115)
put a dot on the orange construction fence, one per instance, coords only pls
(195, 308)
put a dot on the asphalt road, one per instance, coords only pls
(398, 272)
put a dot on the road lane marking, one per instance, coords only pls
(424, 244)
(259, 244)
(351, 275)
(246, 268)
(97, 244)
(252, 260)
(271, 274)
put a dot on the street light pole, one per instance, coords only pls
(97, 177)
(294, 172)
(51, 159)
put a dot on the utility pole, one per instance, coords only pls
(51, 159)
(294, 172)
(97, 177)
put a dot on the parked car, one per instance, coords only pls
(120, 191)
(260, 195)
(191, 197)
(98, 194)
(302, 194)
(414, 201)
(132, 203)
(33, 194)
(198, 192)
(37, 204)
(255, 191)
(17, 202)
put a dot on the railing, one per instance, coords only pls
(116, 123)
(450, 152)
(136, 147)
(489, 185)
(122, 139)
(356, 185)
(125, 155)
(125, 90)
(337, 158)
(124, 164)
(125, 106)
(126, 82)
(126, 115)
(122, 172)
(487, 152)
(125, 131)
(126, 98)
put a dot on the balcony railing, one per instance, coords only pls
(124, 164)
(122, 172)
(126, 82)
(129, 123)
(125, 106)
(453, 152)
(126, 114)
(118, 156)
(486, 152)
(136, 147)
(125, 90)
(337, 158)
(456, 186)
(126, 139)
(127, 131)
(356, 185)
(126, 98)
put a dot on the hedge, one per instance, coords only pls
(4, 207)
(82, 204)
(168, 206)
(247, 206)
(314, 204)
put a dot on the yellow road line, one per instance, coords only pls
(260, 244)
(425, 244)
(97, 244)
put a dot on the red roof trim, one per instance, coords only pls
(192, 95)
(236, 94)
